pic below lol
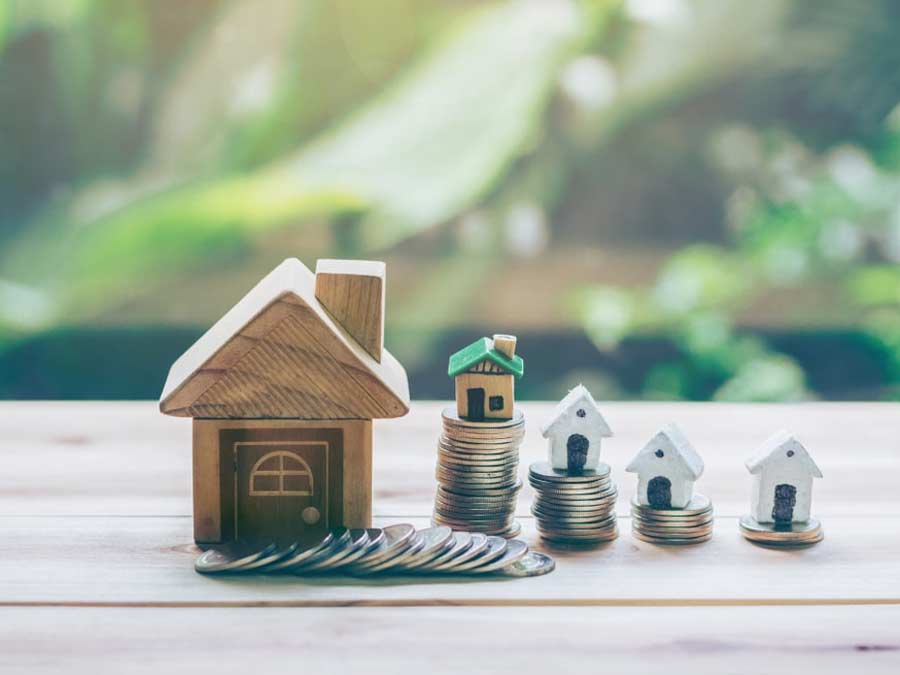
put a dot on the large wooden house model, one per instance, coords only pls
(667, 467)
(485, 374)
(783, 473)
(283, 390)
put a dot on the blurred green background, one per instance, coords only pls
(665, 199)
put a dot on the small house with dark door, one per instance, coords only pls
(783, 473)
(282, 391)
(574, 432)
(485, 374)
(667, 467)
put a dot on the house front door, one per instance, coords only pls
(287, 483)
(576, 452)
(475, 404)
(659, 493)
(785, 500)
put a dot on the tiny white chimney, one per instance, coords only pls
(506, 345)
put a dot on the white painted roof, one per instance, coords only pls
(579, 396)
(775, 448)
(679, 442)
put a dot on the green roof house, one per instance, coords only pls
(485, 374)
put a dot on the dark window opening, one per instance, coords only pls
(496, 403)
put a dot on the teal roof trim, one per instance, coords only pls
(479, 351)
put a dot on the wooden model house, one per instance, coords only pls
(283, 391)
(575, 431)
(485, 373)
(783, 475)
(667, 468)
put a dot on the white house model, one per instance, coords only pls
(667, 468)
(575, 431)
(783, 473)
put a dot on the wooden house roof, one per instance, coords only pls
(279, 354)
(483, 350)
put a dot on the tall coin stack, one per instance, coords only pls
(574, 507)
(478, 474)
(690, 525)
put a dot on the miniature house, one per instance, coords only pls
(667, 468)
(783, 474)
(574, 432)
(485, 373)
(283, 391)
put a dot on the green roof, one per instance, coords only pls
(479, 351)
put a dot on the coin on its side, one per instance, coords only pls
(496, 547)
(301, 556)
(436, 540)
(397, 539)
(278, 554)
(413, 546)
(533, 564)
(336, 555)
(515, 551)
(479, 544)
(231, 557)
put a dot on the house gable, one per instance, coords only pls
(774, 453)
(480, 352)
(279, 354)
(679, 455)
(566, 410)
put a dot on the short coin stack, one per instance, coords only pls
(478, 474)
(690, 525)
(574, 507)
(397, 549)
(782, 535)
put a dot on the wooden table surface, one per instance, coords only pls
(96, 560)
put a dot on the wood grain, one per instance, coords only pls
(278, 353)
(148, 561)
(620, 640)
(353, 293)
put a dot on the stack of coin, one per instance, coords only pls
(478, 474)
(397, 549)
(574, 507)
(690, 525)
(782, 535)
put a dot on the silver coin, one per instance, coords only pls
(275, 556)
(397, 539)
(231, 557)
(698, 504)
(338, 544)
(515, 551)
(450, 416)
(459, 544)
(478, 546)
(543, 472)
(358, 539)
(496, 547)
(413, 546)
(533, 564)
(301, 555)
(673, 541)
(436, 540)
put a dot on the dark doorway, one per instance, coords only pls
(475, 404)
(785, 500)
(659, 493)
(576, 452)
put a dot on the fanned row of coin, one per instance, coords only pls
(692, 524)
(574, 507)
(478, 474)
(396, 549)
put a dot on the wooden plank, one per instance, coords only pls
(126, 458)
(137, 560)
(621, 640)
(353, 293)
